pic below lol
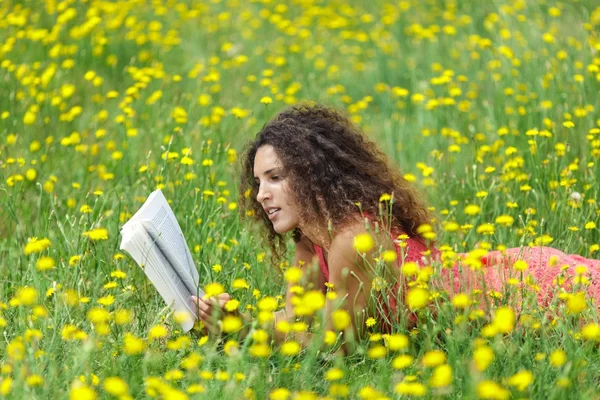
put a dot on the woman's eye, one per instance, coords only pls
(275, 178)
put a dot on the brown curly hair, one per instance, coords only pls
(331, 166)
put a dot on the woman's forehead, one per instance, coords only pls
(266, 158)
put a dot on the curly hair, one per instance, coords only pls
(332, 168)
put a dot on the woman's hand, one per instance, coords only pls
(211, 311)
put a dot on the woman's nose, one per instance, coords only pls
(262, 194)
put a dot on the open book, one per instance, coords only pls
(155, 241)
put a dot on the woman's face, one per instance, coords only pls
(273, 190)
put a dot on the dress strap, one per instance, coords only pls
(322, 261)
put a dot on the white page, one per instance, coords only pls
(143, 250)
(157, 217)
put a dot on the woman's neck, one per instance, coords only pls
(320, 236)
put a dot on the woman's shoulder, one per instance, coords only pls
(345, 238)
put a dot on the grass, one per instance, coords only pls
(479, 104)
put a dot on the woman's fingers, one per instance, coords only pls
(201, 303)
(210, 310)
(220, 300)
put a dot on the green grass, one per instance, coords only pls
(510, 67)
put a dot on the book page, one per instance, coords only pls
(174, 292)
(161, 224)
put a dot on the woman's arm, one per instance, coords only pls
(211, 310)
(313, 279)
(352, 275)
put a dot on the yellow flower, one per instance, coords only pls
(34, 380)
(74, 260)
(133, 345)
(179, 115)
(363, 243)
(402, 361)
(330, 338)
(521, 380)
(36, 246)
(260, 350)
(461, 300)
(231, 323)
(492, 391)
(239, 284)
(195, 388)
(45, 263)
(157, 332)
(441, 377)
(266, 100)
(576, 303)
(590, 225)
(591, 331)
(82, 392)
(385, 197)
(267, 303)
(334, 374)
(231, 347)
(27, 296)
(389, 256)
(370, 322)
(312, 301)
(520, 265)
(341, 319)
(213, 289)
(505, 220)
(558, 358)
(232, 305)
(97, 234)
(280, 394)
(434, 358)
(563, 382)
(410, 268)
(290, 348)
(486, 229)
(115, 386)
(426, 231)
(368, 393)
(260, 336)
(451, 226)
(293, 274)
(417, 298)
(504, 320)
(377, 352)
(192, 361)
(98, 315)
(174, 375)
(337, 390)
(482, 357)
(71, 332)
(472, 209)
(106, 300)
(411, 389)
(397, 342)
(123, 317)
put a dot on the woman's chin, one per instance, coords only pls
(281, 228)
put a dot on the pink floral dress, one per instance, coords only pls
(550, 271)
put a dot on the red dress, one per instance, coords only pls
(545, 265)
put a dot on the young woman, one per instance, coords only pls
(312, 173)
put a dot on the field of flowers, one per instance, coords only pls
(491, 108)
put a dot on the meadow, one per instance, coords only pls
(490, 108)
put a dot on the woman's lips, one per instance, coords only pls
(273, 215)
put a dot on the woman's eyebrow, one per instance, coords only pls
(267, 172)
